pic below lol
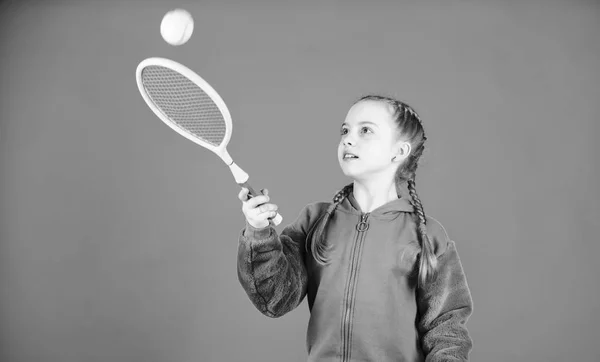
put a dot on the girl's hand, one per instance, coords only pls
(256, 209)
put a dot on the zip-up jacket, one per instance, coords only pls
(365, 305)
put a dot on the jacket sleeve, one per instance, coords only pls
(271, 268)
(445, 305)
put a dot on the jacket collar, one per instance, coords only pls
(387, 211)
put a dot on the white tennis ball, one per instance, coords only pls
(177, 27)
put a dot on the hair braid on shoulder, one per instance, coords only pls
(427, 260)
(342, 194)
(318, 245)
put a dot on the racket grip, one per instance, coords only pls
(251, 193)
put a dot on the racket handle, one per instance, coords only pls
(251, 193)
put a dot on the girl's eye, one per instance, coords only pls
(362, 129)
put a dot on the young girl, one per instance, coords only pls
(384, 281)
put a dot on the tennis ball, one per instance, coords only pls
(177, 26)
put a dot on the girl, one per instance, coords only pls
(384, 281)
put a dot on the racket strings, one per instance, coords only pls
(184, 103)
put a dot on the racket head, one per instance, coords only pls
(186, 103)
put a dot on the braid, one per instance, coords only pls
(342, 194)
(412, 112)
(319, 246)
(415, 133)
(428, 261)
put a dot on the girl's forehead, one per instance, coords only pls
(372, 111)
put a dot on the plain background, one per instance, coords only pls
(119, 237)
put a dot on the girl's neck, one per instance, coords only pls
(373, 195)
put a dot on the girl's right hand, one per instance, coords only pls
(257, 210)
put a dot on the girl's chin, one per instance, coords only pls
(348, 169)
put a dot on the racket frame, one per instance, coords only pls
(221, 149)
(241, 177)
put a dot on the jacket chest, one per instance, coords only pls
(372, 251)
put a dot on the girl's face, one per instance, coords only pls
(368, 132)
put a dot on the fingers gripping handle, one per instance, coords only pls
(251, 193)
(241, 178)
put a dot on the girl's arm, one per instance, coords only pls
(271, 268)
(445, 305)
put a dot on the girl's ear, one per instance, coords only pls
(403, 149)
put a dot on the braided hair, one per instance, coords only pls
(410, 125)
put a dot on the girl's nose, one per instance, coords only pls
(346, 140)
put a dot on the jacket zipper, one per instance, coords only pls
(361, 227)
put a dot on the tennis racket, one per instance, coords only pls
(191, 107)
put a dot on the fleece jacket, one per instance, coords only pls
(365, 305)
